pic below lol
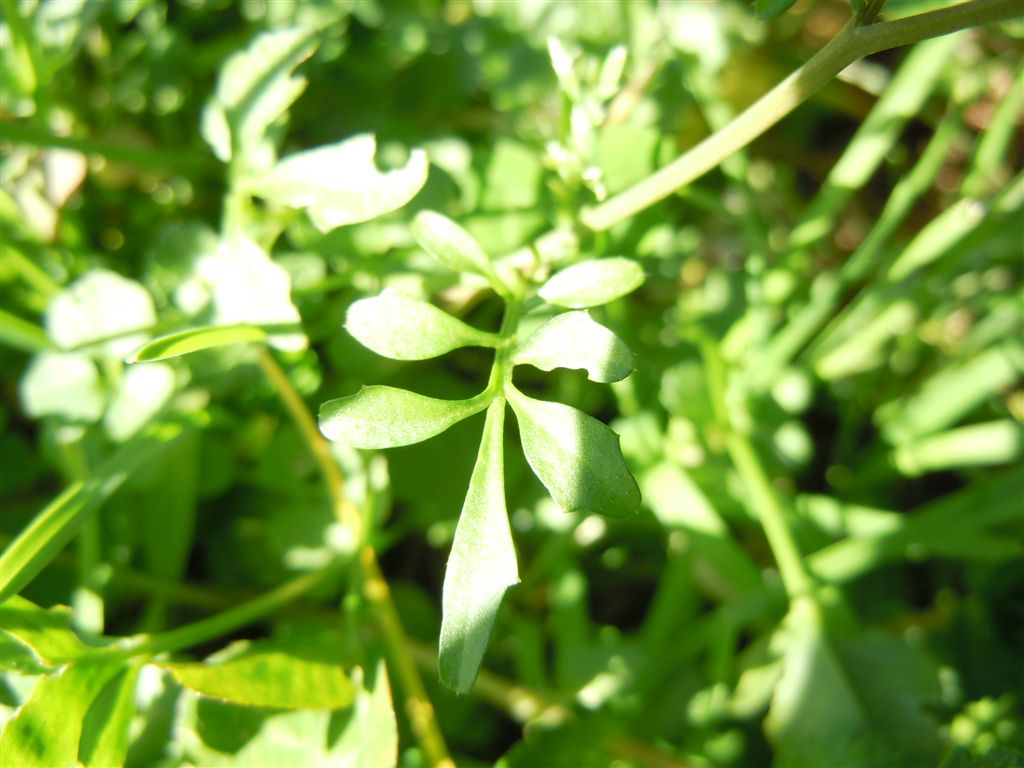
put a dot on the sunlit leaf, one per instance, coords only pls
(64, 384)
(482, 565)
(450, 244)
(576, 457)
(574, 340)
(194, 340)
(370, 735)
(283, 676)
(339, 184)
(249, 288)
(101, 306)
(254, 89)
(403, 328)
(105, 729)
(46, 729)
(386, 417)
(143, 391)
(592, 283)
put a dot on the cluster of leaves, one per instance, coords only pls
(216, 215)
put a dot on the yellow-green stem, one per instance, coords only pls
(375, 588)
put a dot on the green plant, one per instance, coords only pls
(576, 457)
(813, 357)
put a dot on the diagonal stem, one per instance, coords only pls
(375, 588)
(851, 44)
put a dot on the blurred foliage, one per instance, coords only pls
(831, 323)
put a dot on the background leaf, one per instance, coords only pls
(338, 184)
(283, 676)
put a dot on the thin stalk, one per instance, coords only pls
(375, 588)
(217, 626)
(763, 497)
(850, 44)
(145, 158)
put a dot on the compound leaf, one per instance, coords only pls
(282, 676)
(387, 417)
(592, 283)
(574, 340)
(576, 457)
(482, 565)
(403, 328)
(339, 184)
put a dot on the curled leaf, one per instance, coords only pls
(387, 417)
(195, 339)
(574, 340)
(404, 328)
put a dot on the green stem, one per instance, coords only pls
(764, 499)
(373, 584)
(221, 624)
(115, 151)
(850, 44)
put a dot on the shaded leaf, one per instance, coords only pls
(21, 334)
(849, 701)
(339, 184)
(105, 729)
(194, 340)
(769, 9)
(482, 565)
(46, 632)
(574, 340)
(46, 729)
(576, 457)
(55, 525)
(403, 328)
(592, 283)
(451, 245)
(386, 417)
(270, 675)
